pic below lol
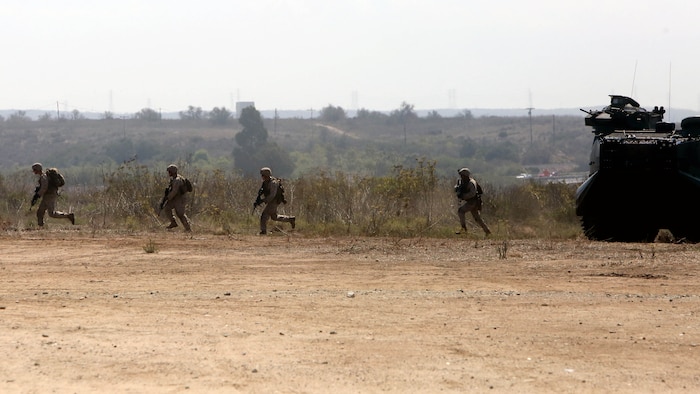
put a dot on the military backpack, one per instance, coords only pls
(188, 186)
(55, 178)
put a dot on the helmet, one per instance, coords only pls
(266, 171)
(37, 167)
(465, 171)
(172, 168)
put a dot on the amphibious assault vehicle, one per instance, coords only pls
(644, 175)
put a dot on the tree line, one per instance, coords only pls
(368, 142)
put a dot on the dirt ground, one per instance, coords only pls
(285, 313)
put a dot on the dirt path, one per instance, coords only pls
(82, 313)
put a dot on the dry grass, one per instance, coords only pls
(411, 203)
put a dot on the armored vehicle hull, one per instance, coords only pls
(644, 175)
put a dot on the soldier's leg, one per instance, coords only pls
(270, 211)
(282, 218)
(59, 214)
(49, 202)
(286, 219)
(477, 217)
(461, 212)
(40, 211)
(169, 212)
(180, 212)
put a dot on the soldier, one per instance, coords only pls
(47, 190)
(469, 191)
(174, 199)
(272, 194)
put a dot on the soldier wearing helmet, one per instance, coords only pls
(48, 192)
(272, 194)
(174, 199)
(469, 193)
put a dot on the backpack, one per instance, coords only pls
(479, 192)
(55, 178)
(280, 192)
(188, 186)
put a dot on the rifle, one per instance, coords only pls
(36, 197)
(258, 200)
(165, 199)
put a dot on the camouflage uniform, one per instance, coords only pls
(466, 191)
(272, 199)
(176, 199)
(49, 195)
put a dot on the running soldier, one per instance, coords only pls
(272, 194)
(469, 191)
(47, 191)
(174, 199)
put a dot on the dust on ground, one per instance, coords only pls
(290, 314)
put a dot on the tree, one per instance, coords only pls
(466, 114)
(76, 115)
(433, 115)
(254, 134)
(254, 151)
(365, 114)
(332, 114)
(277, 159)
(148, 114)
(271, 155)
(201, 155)
(192, 113)
(19, 117)
(403, 115)
(219, 116)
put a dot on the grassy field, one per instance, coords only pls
(412, 202)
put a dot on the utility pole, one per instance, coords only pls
(529, 114)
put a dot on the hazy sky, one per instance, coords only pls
(122, 56)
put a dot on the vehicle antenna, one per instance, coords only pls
(634, 76)
(668, 109)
